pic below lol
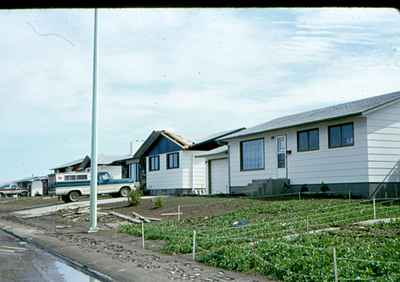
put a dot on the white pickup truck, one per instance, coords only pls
(70, 186)
(11, 190)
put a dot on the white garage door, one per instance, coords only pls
(219, 176)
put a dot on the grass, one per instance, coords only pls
(264, 244)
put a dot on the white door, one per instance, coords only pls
(281, 156)
(219, 176)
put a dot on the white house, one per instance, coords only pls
(115, 165)
(166, 163)
(351, 147)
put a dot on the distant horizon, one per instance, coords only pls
(192, 71)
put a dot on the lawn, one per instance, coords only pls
(275, 237)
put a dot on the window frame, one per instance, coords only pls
(341, 135)
(308, 140)
(241, 154)
(177, 160)
(157, 157)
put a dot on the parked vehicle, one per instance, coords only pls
(70, 186)
(12, 190)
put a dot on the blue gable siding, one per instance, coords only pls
(161, 146)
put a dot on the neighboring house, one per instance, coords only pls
(351, 147)
(115, 165)
(166, 163)
(36, 185)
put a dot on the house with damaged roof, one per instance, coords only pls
(351, 147)
(115, 165)
(166, 163)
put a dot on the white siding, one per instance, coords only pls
(166, 178)
(383, 127)
(338, 165)
(199, 173)
(187, 169)
(114, 170)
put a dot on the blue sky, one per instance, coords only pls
(193, 71)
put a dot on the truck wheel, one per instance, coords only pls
(73, 196)
(124, 191)
(24, 194)
(2, 195)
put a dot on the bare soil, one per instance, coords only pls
(121, 256)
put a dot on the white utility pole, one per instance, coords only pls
(93, 157)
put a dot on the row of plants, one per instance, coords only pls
(259, 246)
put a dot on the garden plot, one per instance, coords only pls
(291, 240)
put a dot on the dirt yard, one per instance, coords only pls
(119, 255)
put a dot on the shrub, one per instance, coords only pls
(134, 197)
(285, 187)
(304, 188)
(158, 203)
(324, 187)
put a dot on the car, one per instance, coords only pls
(12, 190)
(71, 186)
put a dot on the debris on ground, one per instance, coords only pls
(129, 218)
(240, 223)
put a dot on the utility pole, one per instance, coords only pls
(93, 158)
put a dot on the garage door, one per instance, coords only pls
(219, 176)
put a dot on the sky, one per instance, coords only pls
(192, 71)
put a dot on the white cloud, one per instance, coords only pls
(193, 71)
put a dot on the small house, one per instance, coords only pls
(349, 148)
(167, 163)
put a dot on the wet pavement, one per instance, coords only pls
(20, 261)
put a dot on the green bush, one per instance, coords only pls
(134, 197)
(324, 187)
(158, 203)
(304, 188)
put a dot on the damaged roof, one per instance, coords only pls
(331, 112)
(177, 139)
(213, 138)
(102, 159)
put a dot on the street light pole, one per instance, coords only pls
(93, 157)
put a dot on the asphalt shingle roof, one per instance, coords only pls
(341, 110)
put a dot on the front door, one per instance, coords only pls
(281, 156)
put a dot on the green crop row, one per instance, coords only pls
(262, 244)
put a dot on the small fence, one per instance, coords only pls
(255, 245)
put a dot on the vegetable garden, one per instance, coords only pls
(291, 240)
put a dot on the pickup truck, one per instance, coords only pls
(70, 186)
(11, 190)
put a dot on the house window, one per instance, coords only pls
(154, 163)
(173, 160)
(341, 135)
(308, 140)
(252, 154)
(134, 172)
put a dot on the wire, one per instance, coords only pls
(50, 34)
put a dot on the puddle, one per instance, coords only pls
(70, 274)
(38, 265)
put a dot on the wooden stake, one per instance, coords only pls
(335, 271)
(373, 203)
(143, 235)
(194, 245)
(179, 213)
(307, 223)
